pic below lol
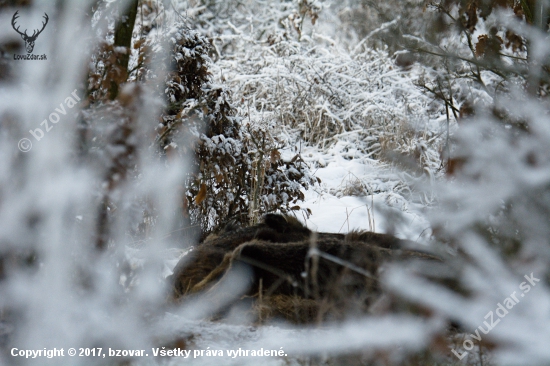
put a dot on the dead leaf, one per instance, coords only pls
(275, 156)
(201, 195)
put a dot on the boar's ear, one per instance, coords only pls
(284, 224)
(295, 223)
(276, 222)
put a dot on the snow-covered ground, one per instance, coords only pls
(296, 345)
(358, 194)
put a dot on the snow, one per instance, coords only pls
(356, 336)
(377, 198)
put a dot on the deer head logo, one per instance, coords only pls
(29, 40)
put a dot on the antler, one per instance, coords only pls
(15, 16)
(34, 35)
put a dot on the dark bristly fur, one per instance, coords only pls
(209, 254)
(337, 278)
(287, 271)
(380, 240)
